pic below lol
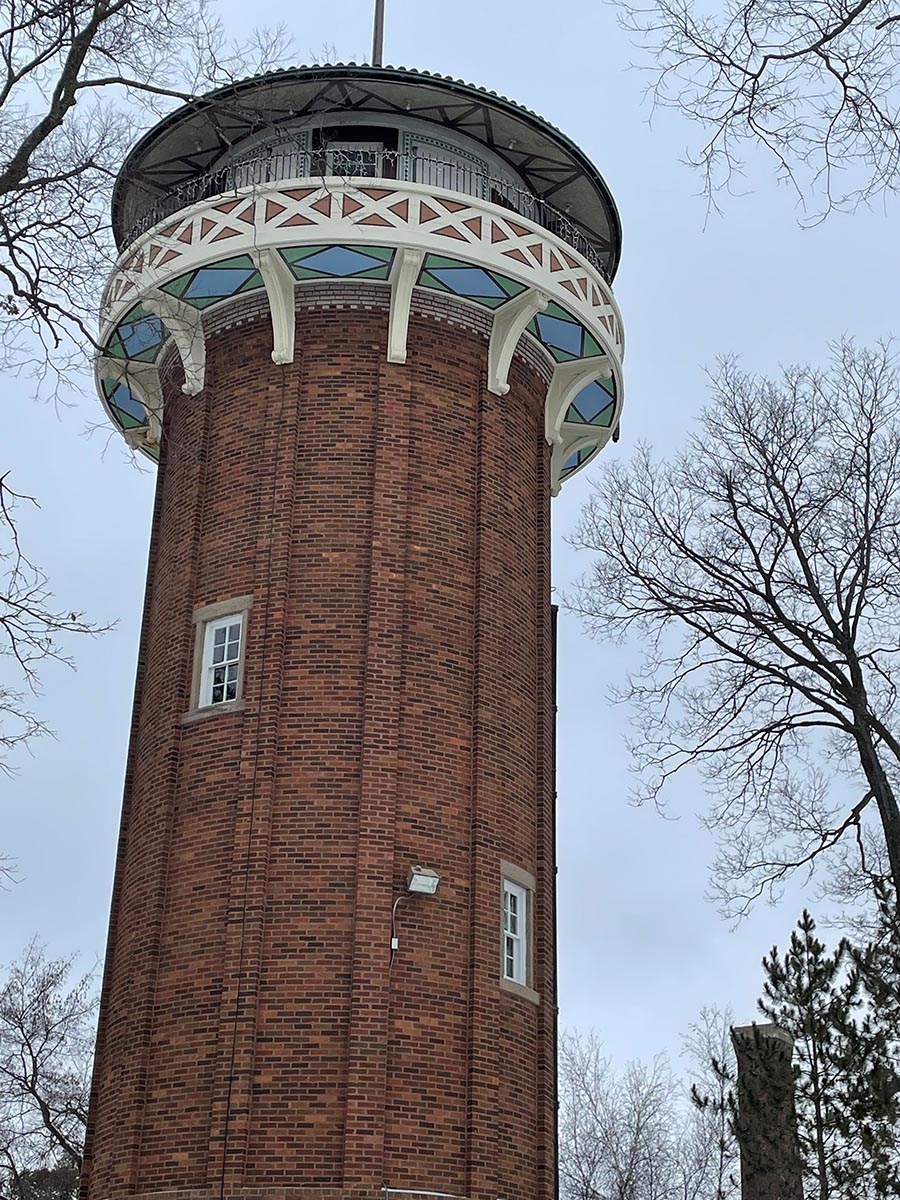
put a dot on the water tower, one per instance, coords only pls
(362, 317)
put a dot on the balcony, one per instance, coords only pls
(278, 165)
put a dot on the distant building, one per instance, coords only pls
(363, 318)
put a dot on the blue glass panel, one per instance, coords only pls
(138, 336)
(590, 402)
(469, 281)
(126, 409)
(564, 334)
(210, 281)
(338, 260)
(575, 460)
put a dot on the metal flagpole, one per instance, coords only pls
(378, 36)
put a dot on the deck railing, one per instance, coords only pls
(268, 167)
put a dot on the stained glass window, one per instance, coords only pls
(125, 407)
(594, 404)
(488, 288)
(563, 335)
(339, 262)
(139, 335)
(208, 285)
(574, 461)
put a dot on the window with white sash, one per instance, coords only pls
(223, 644)
(515, 933)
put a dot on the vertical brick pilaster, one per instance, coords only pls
(259, 756)
(369, 1026)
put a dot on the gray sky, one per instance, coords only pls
(641, 950)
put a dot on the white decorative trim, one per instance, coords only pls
(404, 273)
(413, 219)
(390, 212)
(184, 323)
(568, 380)
(510, 323)
(279, 281)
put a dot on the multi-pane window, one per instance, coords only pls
(515, 933)
(222, 660)
(354, 159)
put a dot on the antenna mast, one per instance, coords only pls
(378, 36)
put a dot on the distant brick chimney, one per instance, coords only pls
(767, 1117)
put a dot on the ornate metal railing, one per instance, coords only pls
(273, 165)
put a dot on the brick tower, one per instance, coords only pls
(362, 318)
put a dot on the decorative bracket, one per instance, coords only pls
(404, 273)
(184, 324)
(510, 323)
(568, 380)
(143, 379)
(279, 281)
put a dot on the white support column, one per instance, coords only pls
(279, 281)
(568, 380)
(510, 323)
(143, 379)
(403, 276)
(183, 322)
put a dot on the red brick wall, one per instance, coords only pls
(391, 524)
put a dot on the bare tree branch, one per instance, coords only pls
(814, 84)
(761, 572)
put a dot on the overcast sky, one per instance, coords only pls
(641, 950)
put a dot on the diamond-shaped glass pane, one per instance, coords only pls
(468, 281)
(214, 281)
(340, 260)
(592, 406)
(566, 335)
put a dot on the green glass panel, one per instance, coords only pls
(437, 260)
(591, 348)
(382, 252)
(175, 287)
(431, 281)
(240, 261)
(553, 310)
(126, 420)
(510, 286)
(294, 254)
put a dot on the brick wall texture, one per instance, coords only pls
(391, 524)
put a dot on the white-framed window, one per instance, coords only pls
(223, 644)
(217, 681)
(515, 933)
(354, 159)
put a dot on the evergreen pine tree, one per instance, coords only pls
(847, 1080)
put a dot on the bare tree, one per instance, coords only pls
(709, 1053)
(76, 80)
(628, 1135)
(32, 629)
(46, 1049)
(814, 84)
(759, 570)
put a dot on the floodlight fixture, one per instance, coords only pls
(423, 881)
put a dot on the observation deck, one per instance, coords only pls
(401, 179)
